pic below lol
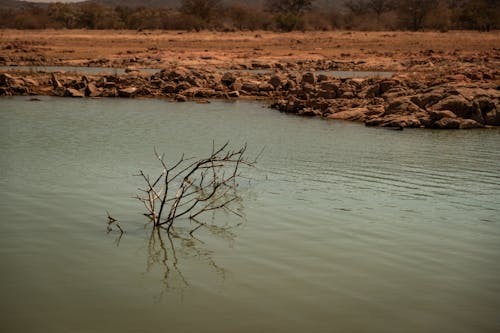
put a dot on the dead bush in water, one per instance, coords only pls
(192, 187)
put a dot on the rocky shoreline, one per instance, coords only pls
(454, 101)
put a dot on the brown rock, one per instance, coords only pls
(228, 78)
(401, 106)
(70, 92)
(250, 86)
(275, 81)
(92, 91)
(127, 92)
(355, 114)
(447, 123)
(169, 88)
(180, 98)
(309, 78)
(266, 87)
(457, 104)
(330, 86)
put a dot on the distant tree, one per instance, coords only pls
(296, 7)
(64, 14)
(380, 6)
(412, 13)
(204, 10)
(482, 15)
(289, 14)
(356, 7)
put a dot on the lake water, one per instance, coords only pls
(346, 228)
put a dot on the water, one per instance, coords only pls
(346, 228)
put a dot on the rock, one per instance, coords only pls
(370, 91)
(308, 88)
(470, 123)
(92, 91)
(70, 92)
(327, 94)
(447, 123)
(127, 92)
(354, 114)
(234, 93)
(489, 110)
(321, 78)
(457, 104)
(169, 88)
(437, 115)
(266, 87)
(395, 121)
(200, 92)
(175, 75)
(31, 82)
(55, 82)
(5, 79)
(228, 78)
(401, 106)
(309, 78)
(395, 93)
(310, 112)
(180, 98)
(4, 91)
(131, 70)
(428, 99)
(250, 86)
(330, 86)
(386, 85)
(275, 81)
(492, 117)
(182, 86)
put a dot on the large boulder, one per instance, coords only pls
(401, 106)
(455, 123)
(457, 104)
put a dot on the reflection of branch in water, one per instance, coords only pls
(114, 222)
(158, 254)
(168, 250)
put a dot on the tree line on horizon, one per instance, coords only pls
(275, 15)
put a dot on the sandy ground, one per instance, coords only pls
(155, 49)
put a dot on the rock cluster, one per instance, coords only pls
(397, 102)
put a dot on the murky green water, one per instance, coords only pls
(347, 228)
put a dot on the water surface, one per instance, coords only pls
(347, 228)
